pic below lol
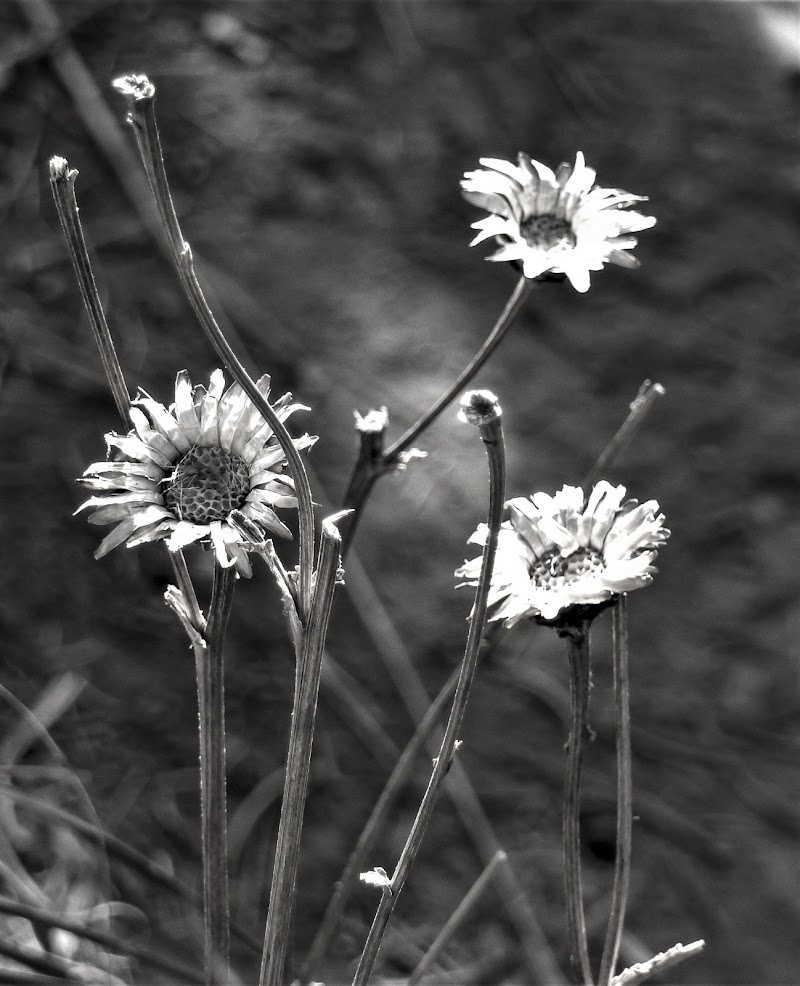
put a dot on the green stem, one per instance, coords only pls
(580, 675)
(211, 704)
(298, 764)
(141, 96)
(622, 863)
(491, 430)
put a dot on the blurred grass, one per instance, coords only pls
(315, 149)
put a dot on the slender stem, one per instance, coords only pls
(298, 764)
(141, 97)
(211, 704)
(492, 436)
(639, 409)
(62, 185)
(580, 672)
(622, 862)
(349, 878)
(457, 918)
(513, 306)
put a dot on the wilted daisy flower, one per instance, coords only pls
(178, 475)
(559, 551)
(554, 221)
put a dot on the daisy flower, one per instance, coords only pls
(555, 552)
(182, 470)
(554, 221)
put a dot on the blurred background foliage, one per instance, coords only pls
(315, 151)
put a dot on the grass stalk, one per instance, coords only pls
(580, 674)
(290, 828)
(482, 409)
(640, 407)
(140, 93)
(457, 918)
(211, 706)
(622, 861)
(113, 943)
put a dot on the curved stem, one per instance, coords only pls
(62, 185)
(622, 862)
(211, 705)
(492, 437)
(141, 96)
(509, 313)
(298, 764)
(580, 672)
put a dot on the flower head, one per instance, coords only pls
(556, 552)
(554, 221)
(179, 474)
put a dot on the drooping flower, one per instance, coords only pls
(556, 552)
(182, 470)
(558, 222)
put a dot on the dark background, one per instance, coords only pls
(315, 151)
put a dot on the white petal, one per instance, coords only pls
(184, 407)
(187, 533)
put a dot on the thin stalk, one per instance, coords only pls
(211, 705)
(622, 862)
(298, 764)
(639, 409)
(141, 97)
(62, 185)
(491, 431)
(580, 673)
(185, 584)
(349, 878)
(457, 918)
(512, 308)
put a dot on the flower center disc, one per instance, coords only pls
(554, 572)
(207, 484)
(548, 233)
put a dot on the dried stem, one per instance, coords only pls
(639, 409)
(62, 185)
(141, 98)
(287, 850)
(211, 705)
(580, 675)
(622, 863)
(370, 832)
(457, 918)
(492, 436)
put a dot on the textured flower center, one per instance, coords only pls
(553, 572)
(548, 233)
(207, 484)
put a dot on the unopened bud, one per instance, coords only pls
(479, 408)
